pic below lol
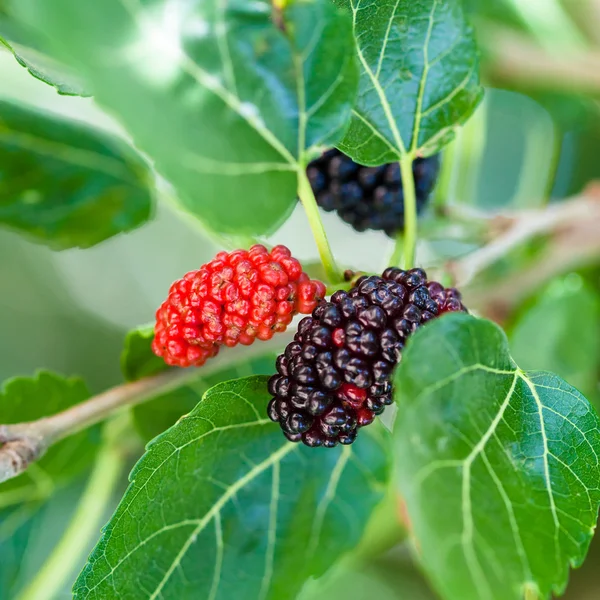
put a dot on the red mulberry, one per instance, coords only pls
(235, 298)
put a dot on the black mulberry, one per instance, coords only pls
(368, 197)
(336, 375)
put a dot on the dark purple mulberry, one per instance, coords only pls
(335, 377)
(368, 197)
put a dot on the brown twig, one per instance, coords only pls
(573, 230)
(516, 59)
(569, 219)
(24, 443)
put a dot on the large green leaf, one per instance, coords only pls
(226, 98)
(558, 332)
(65, 184)
(222, 506)
(499, 466)
(28, 399)
(419, 77)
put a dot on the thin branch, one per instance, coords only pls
(515, 58)
(570, 218)
(22, 444)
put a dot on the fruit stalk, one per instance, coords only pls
(410, 211)
(307, 197)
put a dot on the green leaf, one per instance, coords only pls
(25, 399)
(566, 316)
(45, 69)
(227, 104)
(137, 358)
(157, 415)
(499, 466)
(21, 43)
(222, 506)
(419, 78)
(65, 184)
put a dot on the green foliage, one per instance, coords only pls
(499, 466)
(558, 332)
(222, 506)
(419, 78)
(137, 358)
(29, 530)
(235, 110)
(390, 578)
(29, 398)
(45, 69)
(157, 415)
(160, 413)
(65, 184)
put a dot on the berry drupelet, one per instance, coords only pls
(235, 298)
(335, 377)
(368, 197)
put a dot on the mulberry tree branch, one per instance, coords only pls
(572, 229)
(25, 443)
(21, 444)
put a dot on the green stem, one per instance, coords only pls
(410, 211)
(84, 525)
(398, 250)
(309, 203)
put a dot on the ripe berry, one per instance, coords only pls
(368, 197)
(235, 298)
(336, 374)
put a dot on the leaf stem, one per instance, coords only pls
(85, 523)
(410, 210)
(398, 251)
(309, 203)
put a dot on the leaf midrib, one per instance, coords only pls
(479, 450)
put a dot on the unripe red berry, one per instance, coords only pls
(234, 299)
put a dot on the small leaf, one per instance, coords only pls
(419, 78)
(566, 315)
(137, 358)
(25, 399)
(227, 100)
(65, 184)
(499, 467)
(222, 506)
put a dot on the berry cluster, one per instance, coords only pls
(335, 376)
(368, 197)
(234, 299)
